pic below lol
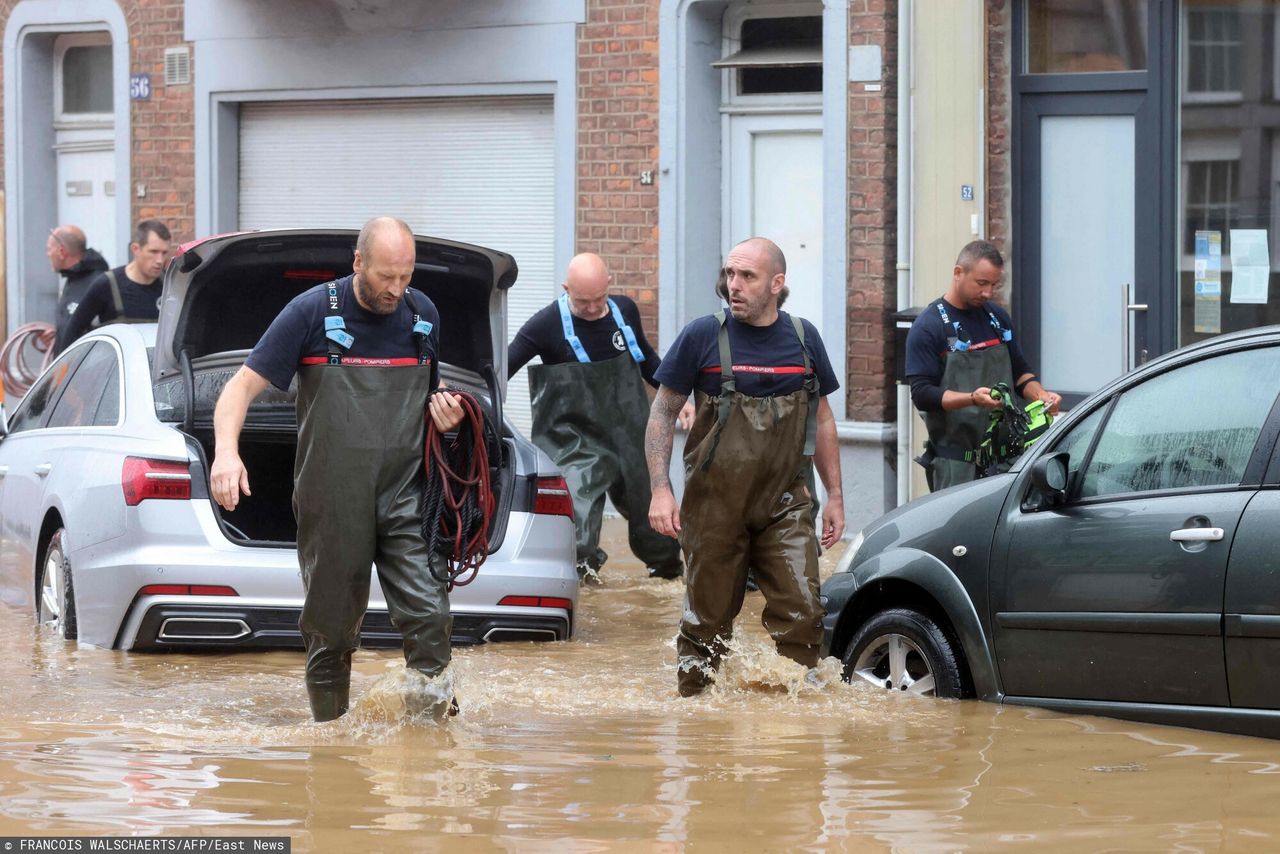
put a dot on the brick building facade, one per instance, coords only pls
(616, 182)
(162, 127)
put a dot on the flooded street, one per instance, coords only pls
(585, 746)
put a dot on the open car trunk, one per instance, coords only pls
(221, 295)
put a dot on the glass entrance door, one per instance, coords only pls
(1092, 145)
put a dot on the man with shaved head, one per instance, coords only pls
(590, 409)
(365, 349)
(70, 257)
(760, 378)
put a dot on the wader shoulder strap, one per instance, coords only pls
(727, 387)
(636, 353)
(335, 328)
(116, 299)
(566, 322)
(811, 386)
(421, 328)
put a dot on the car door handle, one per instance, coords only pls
(4, 470)
(44, 468)
(1196, 535)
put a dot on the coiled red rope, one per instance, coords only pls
(16, 368)
(458, 501)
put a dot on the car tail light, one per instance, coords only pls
(537, 602)
(143, 479)
(187, 590)
(552, 497)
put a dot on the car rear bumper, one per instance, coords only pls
(170, 625)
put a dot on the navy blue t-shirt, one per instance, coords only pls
(929, 341)
(767, 360)
(298, 333)
(543, 335)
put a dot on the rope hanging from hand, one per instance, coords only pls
(458, 502)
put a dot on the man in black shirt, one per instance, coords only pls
(70, 257)
(958, 348)
(130, 293)
(590, 409)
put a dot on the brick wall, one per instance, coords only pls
(162, 128)
(872, 219)
(999, 24)
(617, 216)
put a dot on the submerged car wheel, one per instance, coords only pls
(904, 650)
(57, 605)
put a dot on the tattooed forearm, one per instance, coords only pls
(657, 436)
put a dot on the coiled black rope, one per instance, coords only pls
(458, 502)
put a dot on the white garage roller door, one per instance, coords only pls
(478, 170)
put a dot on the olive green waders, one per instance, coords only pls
(954, 435)
(746, 503)
(590, 418)
(358, 501)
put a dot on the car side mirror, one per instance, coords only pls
(1049, 476)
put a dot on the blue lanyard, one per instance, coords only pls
(962, 343)
(566, 321)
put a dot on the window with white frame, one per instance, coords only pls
(773, 52)
(1211, 198)
(1213, 51)
(83, 86)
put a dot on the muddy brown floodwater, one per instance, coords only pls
(585, 746)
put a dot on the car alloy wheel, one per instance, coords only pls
(904, 650)
(894, 663)
(56, 607)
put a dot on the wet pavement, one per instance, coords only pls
(585, 746)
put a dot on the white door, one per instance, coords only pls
(478, 170)
(86, 193)
(773, 176)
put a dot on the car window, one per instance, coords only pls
(92, 395)
(1194, 426)
(33, 408)
(1076, 442)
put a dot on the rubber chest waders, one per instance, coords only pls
(954, 435)
(590, 418)
(358, 502)
(746, 504)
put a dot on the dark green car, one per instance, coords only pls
(1129, 564)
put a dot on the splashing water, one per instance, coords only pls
(405, 696)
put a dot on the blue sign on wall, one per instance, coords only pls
(140, 87)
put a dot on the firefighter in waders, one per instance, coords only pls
(960, 346)
(365, 350)
(590, 410)
(760, 378)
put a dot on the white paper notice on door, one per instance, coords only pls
(1250, 265)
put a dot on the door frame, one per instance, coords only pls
(29, 165)
(1151, 97)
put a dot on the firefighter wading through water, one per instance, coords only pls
(760, 378)
(590, 409)
(365, 349)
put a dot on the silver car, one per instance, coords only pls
(107, 530)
